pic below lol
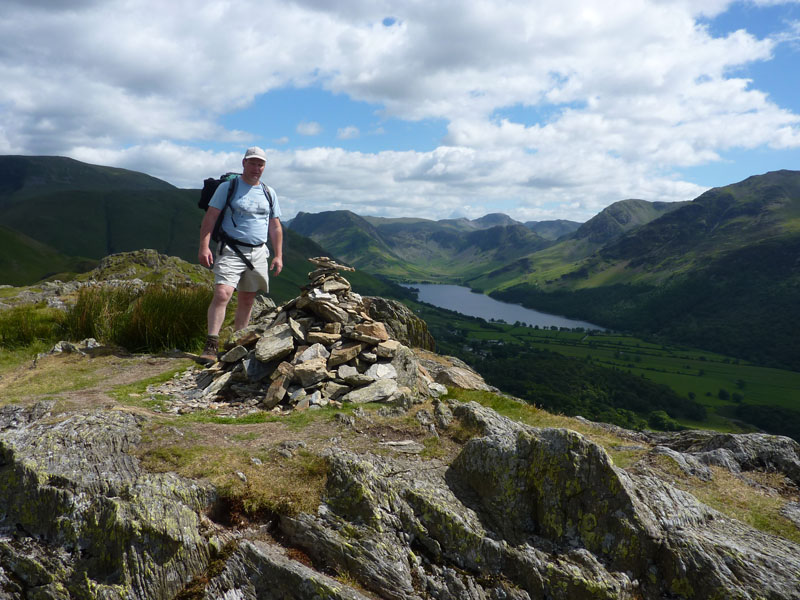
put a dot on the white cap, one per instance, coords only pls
(255, 152)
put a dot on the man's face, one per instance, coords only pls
(253, 168)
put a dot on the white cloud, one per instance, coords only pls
(350, 132)
(309, 128)
(556, 108)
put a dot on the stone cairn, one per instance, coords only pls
(320, 348)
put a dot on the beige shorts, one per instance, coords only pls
(231, 270)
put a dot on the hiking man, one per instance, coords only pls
(252, 217)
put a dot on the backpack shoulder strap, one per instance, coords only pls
(232, 183)
(268, 195)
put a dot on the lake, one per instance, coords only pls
(465, 301)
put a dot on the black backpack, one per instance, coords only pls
(210, 186)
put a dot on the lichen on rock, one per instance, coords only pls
(72, 483)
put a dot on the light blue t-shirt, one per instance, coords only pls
(247, 218)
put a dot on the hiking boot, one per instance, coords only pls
(209, 354)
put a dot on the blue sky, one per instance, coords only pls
(545, 110)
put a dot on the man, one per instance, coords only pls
(248, 222)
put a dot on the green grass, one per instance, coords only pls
(286, 485)
(296, 421)
(27, 324)
(159, 318)
(60, 373)
(210, 416)
(14, 357)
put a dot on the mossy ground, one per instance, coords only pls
(245, 458)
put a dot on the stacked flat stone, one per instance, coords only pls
(319, 348)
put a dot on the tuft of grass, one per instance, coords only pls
(277, 485)
(433, 448)
(30, 324)
(158, 318)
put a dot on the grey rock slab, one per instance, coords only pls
(321, 337)
(333, 390)
(382, 371)
(313, 351)
(276, 343)
(255, 370)
(368, 357)
(387, 349)
(333, 286)
(261, 571)
(378, 391)
(218, 384)
(344, 354)
(345, 371)
(327, 311)
(312, 371)
(234, 354)
(298, 331)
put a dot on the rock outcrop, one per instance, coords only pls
(79, 518)
(134, 270)
(520, 513)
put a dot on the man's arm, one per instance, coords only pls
(204, 255)
(276, 241)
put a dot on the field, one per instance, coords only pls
(718, 382)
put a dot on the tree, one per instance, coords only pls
(659, 419)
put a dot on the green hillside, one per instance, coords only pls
(82, 210)
(622, 217)
(565, 262)
(35, 176)
(99, 223)
(421, 249)
(552, 230)
(720, 272)
(24, 260)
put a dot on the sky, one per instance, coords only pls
(543, 110)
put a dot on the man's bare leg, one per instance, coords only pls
(216, 310)
(244, 306)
